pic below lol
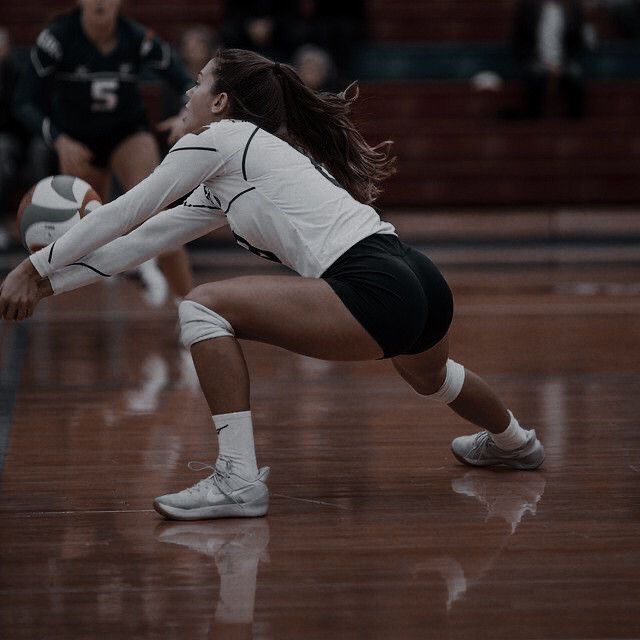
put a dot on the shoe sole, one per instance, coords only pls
(254, 509)
(514, 464)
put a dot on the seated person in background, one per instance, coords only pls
(315, 68)
(80, 92)
(197, 46)
(255, 25)
(549, 45)
(23, 159)
(335, 26)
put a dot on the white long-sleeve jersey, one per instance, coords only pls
(279, 205)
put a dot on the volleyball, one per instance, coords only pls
(53, 206)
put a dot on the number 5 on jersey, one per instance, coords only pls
(104, 95)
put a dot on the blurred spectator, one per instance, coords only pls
(279, 28)
(336, 26)
(23, 161)
(198, 45)
(549, 44)
(10, 143)
(315, 68)
(255, 25)
(81, 90)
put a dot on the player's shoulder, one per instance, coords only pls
(201, 141)
(142, 36)
(234, 133)
(66, 22)
(65, 28)
(230, 125)
(225, 137)
(132, 26)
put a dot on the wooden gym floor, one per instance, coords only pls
(374, 531)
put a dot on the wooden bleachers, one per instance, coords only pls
(388, 20)
(454, 20)
(439, 20)
(453, 150)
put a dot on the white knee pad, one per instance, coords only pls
(452, 386)
(197, 323)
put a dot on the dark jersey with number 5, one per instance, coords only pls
(71, 87)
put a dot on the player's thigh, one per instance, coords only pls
(98, 178)
(135, 158)
(303, 315)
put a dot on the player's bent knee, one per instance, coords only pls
(427, 383)
(452, 385)
(199, 323)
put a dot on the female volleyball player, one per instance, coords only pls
(80, 92)
(285, 168)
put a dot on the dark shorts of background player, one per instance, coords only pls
(103, 145)
(396, 293)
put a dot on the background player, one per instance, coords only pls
(80, 92)
(364, 294)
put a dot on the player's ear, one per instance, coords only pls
(219, 103)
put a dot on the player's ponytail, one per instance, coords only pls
(272, 96)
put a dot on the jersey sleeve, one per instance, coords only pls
(168, 230)
(189, 163)
(158, 56)
(30, 100)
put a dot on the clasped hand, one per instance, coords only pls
(21, 291)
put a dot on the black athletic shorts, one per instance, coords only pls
(397, 294)
(105, 142)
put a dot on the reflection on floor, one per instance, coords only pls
(374, 530)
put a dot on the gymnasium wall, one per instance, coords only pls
(453, 150)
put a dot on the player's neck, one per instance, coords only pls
(102, 34)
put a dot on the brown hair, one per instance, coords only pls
(272, 96)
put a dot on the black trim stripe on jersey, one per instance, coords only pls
(193, 149)
(208, 194)
(51, 252)
(82, 264)
(201, 206)
(261, 253)
(244, 155)
(236, 197)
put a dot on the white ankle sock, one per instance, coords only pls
(513, 437)
(235, 442)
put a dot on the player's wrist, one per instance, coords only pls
(27, 269)
(45, 289)
(37, 263)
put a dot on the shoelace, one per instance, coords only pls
(483, 440)
(217, 476)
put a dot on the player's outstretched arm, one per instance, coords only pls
(168, 230)
(24, 287)
(190, 162)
